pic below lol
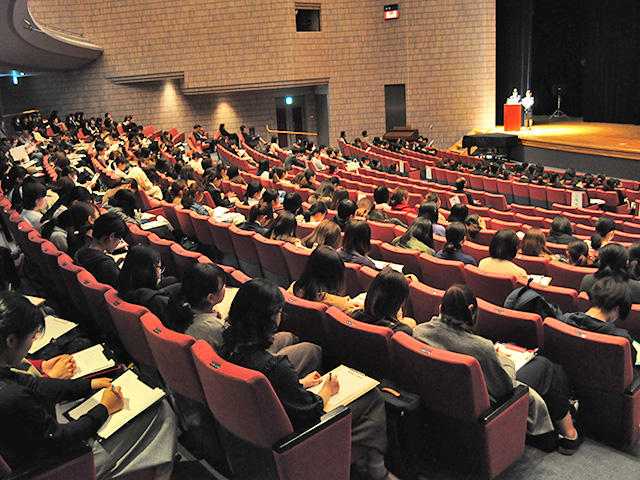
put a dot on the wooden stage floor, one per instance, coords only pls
(606, 139)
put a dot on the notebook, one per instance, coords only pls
(541, 279)
(353, 385)
(54, 328)
(520, 355)
(382, 264)
(92, 360)
(138, 396)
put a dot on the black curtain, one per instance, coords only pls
(513, 50)
(612, 57)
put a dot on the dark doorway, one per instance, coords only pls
(395, 106)
(290, 118)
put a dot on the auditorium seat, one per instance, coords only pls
(184, 220)
(565, 275)
(246, 251)
(601, 370)
(126, 318)
(565, 298)
(424, 301)
(459, 410)
(164, 248)
(296, 259)
(245, 405)
(359, 345)
(402, 256)
(274, 266)
(533, 265)
(492, 287)
(500, 324)
(303, 318)
(439, 273)
(520, 194)
(222, 239)
(478, 252)
(183, 259)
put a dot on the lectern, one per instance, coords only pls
(512, 117)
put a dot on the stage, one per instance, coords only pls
(613, 149)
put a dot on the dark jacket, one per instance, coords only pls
(28, 426)
(391, 323)
(99, 264)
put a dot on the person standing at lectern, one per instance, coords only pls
(527, 103)
(514, 98)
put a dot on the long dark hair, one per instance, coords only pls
(455, 310)
(18, 316)
(388, 292)
(421, 229)
(326, 233)
(323, 273)
(613, 259)
(139, 270)
(198, 281)
(357, 237)
(604, 226)
(253, 315)
(455, 233)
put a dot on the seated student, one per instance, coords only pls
(339, 195)
(34, 198)
(475, 223)
(502, 250)
(108, 230)
(534, 244)
(253, 319)
(263, 169)
(418, 237)
(346, 210)
(456, 234)
(633, 267)
(613, 259)
(260, 216)
(29, 430)
(387, 295)
(561, 231)
(284, 228)
(460, 184)
(430, 210)
(610, 300)
(356, 244)
(400, 201)
(326, 233)
(293, 203)
(578, 254)
(366, 209)
(214, 187)
(192, 198)
(308, 179)
(323, 280)
(124, 204)
(141, 282)
(234, 175)
(381, 197)
(605, 230)
(324, 193)
(68, 230)
(192, 312)
(452, 330)
(316, 213)
(459, 213)
(253, 193)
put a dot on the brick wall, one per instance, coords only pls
(237, 57)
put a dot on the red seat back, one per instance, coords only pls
(439, 273)
(504, 325)
(172, 353)
(126, 317)
(492, 287)
(424, 301)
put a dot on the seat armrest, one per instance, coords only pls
(634, 387)
(296, 438)
(495, 411)
(79, 454)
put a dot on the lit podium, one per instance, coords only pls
(512, 117)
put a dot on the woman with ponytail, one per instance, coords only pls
(633, 268)
(578, 254)
(191, 311)
(613, 259)
(456, 234)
